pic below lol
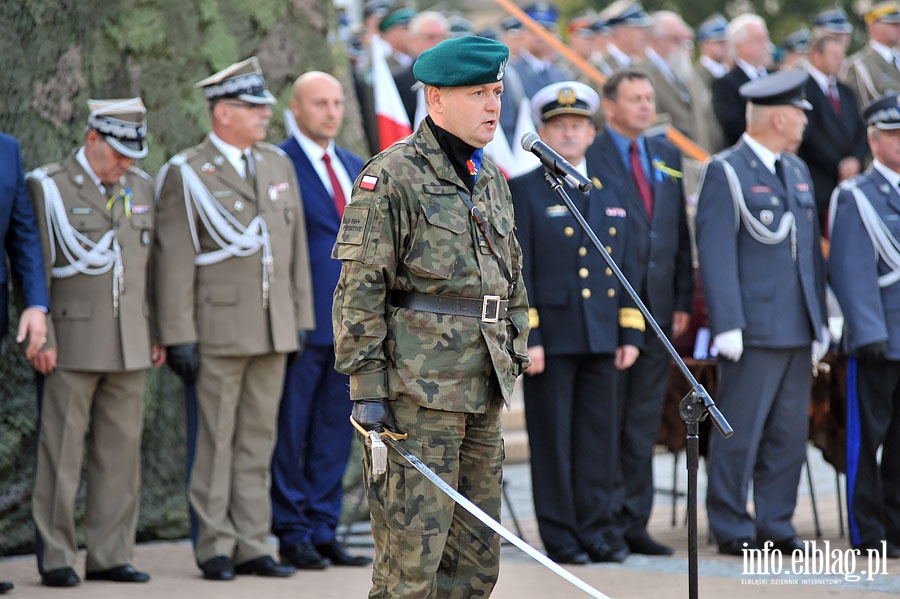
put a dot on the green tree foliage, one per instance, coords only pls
(55, 54)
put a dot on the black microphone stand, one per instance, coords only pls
(695, 406)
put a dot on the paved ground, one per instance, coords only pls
(176, 577)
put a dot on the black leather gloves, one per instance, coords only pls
(184, 360)
(374, 414)
(872, 352)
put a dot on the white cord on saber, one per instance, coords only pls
(379, 445)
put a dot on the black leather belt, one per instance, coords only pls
(489, 308)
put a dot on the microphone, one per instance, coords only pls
(556, 164)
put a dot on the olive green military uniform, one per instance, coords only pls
(103, 342)
(446, 376)
(244, 318)
(870, 75)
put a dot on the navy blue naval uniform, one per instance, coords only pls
(314, 432)
(775, 295)
(664, 281)
(580, 316)
(871, 315)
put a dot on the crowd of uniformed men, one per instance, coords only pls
(254, 270)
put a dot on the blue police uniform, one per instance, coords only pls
(314, 434)
(863, 278)
(771, 287)
(525, 77)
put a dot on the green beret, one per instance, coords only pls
(398, 17)
(457, 62)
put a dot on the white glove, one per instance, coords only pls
(820, 346)
(730, 344)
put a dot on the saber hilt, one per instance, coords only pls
(377, 447)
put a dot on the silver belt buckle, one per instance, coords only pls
(487, 309)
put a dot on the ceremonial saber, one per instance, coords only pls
(379, 444)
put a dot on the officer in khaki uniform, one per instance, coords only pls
(875, 69)
(234, 298)
(95, 214)
(430, 322)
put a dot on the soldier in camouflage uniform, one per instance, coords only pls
(430, 323)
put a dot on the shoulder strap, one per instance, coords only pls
(479, 220)
(885, 244)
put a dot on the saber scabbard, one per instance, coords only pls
(381, 442)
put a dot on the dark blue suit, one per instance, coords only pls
(871, 314)
(665, 284)
(314, 432)
(728, 104)
(575, 301)
(18, 230)
(829, 138)
(775, 294)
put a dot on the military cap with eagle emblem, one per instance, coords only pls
(883, 112)
(565, 97)
(242, 80)
(122, 123)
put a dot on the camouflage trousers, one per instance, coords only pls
(425, 546)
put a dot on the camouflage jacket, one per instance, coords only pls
(407, 229)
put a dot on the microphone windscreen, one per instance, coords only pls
(529, 139)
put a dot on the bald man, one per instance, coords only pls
(314, 432)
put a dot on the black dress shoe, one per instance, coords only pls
(265, 566)
(5, 587)
(618, 545)
(737, 546)
(891, 551)
(60, 577)
(641, 542)
(576, 557)
(337, 555)
(788, 546)
(125, 573)
(603, 551)
(303, 556)
(218, 568)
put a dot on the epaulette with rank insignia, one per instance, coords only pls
(267, 146)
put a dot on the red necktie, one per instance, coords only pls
(832, 95)
(640, 178)
(339, 200)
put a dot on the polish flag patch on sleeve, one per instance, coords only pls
(368, 182)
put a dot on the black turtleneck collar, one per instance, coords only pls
(456, 149)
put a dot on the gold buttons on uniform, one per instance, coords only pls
(610, 293)
(608, 271)
(583, 273)
(568, 231)
(612, 231)
(582, 251)
(609, 249)
(586, 293)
